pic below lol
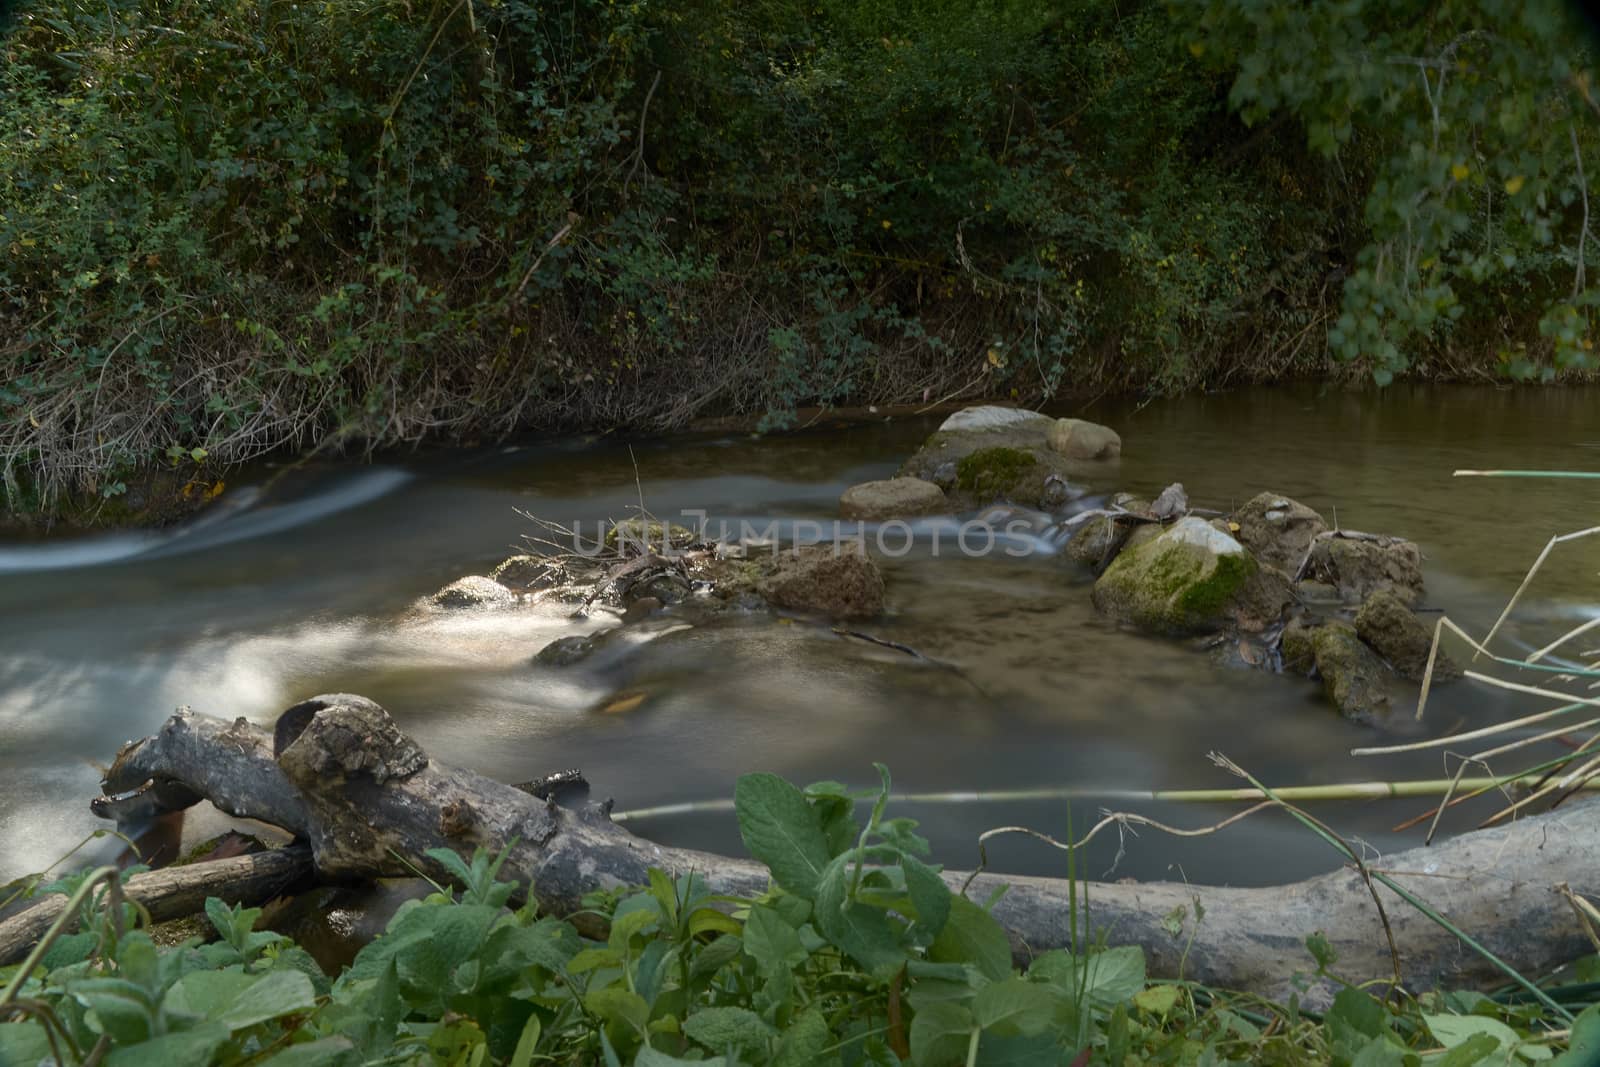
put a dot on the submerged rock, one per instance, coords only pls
(1395, 633)
(1353, 676)
(1277, 531)
(1094, 541)
(1297, 649)
(529, 572)
(473, 591)
(1360, 566)
(892, 498)
(565, 651)
(1081, 439)
(839, 582)
(1183, 581)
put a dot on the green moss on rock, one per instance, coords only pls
(1182, 582)
(993, 471)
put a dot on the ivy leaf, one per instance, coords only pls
(781, 830)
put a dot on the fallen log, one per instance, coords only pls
(339, 773)
(174, 893)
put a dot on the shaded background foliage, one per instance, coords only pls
(230, 226)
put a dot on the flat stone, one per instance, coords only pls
(892, 498)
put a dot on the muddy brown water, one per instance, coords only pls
(308, 589)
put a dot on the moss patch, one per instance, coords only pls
(993, 471)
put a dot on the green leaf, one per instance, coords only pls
(314, 1053)
(1157, 1000)
(618, 1005)
(781, 830)
(649, 1057)
(24, 1042)
(1015, 1007)
(188, 1046)
(940, 1035)
(1584, 1049)
(1105, 978)
(1452, 1031)
(1474, 1050)
(971, 935)
(929, 895)
(276, 994)
(866, 934)
(771, 942)
(804, 1041)
(721, 1029)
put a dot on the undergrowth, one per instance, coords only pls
(858, 953)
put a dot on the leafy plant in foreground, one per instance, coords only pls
(857, 953)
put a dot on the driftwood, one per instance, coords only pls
(340, 774)
(174, 893)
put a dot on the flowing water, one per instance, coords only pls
(308, 587)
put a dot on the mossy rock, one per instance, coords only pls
(994, 472)
(1387, 625)
(1094, 541)
(1297, 649)
(1353, 676)
(1184, 581)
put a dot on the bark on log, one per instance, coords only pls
(174, 893)
(339, 773)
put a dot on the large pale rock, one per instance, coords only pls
(893, 498)
(989, 454)
(1277, 531)
(473, 591)
(1395, 633)
(1184, 581)
(1359, 567)
(839, 582)
(1081, 439)
(989, 417)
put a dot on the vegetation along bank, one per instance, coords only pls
(239, 227)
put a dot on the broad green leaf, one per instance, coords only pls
(314, 1053)
(971, 935)
(121, 1007)
(803, 1041)
(649, 1057)
(1157, 1000)
(708, 919)
(618, 1005)
(186, 1047)
(771, 942)
(1037, 1050)
(941, 1034)
(781, 830)
(1584, 1048)
(866, 934)
(1015, 1007)
(929, 895)
(1453, 1030)
(207, 994)
(277, 993)
(23, 1043)
(721, 1029)
(1477, 1049)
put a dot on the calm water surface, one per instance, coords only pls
(310, 590)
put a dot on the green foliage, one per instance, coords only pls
(1470, 129)
(237, 226)
(856, 950)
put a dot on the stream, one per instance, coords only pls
(308, 587)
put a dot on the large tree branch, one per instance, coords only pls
(340, 774)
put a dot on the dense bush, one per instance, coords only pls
(232, 225)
